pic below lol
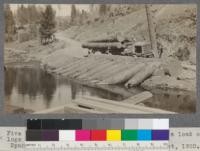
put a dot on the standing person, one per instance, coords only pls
(160, 49)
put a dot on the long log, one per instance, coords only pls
(141, 76)
(139, 98)
(110, 45)
(64, 63)
(106, 107)
(124, 105)
(70, 65)
(90, 67)
(105, 39)
(116, 90)
(84, 65)
(85, 72)
(96, 70)
(83, 61)
(120, 69)
(123, 77)
(76, 63)
(104, 71)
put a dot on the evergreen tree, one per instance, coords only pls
(33, 14)
(73, 14)
(9, 23)
(102, 9)
(22, 15)
(91, 8)
(48, 23)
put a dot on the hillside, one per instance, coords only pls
(175, 28)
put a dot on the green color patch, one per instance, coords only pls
(129, 135)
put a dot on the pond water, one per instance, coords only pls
(33, 89)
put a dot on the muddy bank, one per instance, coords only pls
(166, 82)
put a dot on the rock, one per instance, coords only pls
(172, 67)
(187, 75)
(166, 82)
(188, 66)
(159, 72)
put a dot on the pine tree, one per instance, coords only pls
(9, 23)
(33, 14)
(102, 9)
(22, 15)
(91, 8)
(48, 22)
(73, 14)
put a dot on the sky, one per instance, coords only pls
(61, 9)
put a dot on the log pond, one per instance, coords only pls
(32, 89)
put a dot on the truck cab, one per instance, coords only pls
(142, 49)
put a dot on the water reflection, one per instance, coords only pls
(177, 101)
(10, 81)
(34, 89)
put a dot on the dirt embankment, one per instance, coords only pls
(175, 28)
(29, 51)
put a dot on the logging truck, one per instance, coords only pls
(126, 48)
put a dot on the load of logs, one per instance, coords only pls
(110, 45)
(109, 69)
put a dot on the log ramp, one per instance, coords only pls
(108, 69)
(102, 71)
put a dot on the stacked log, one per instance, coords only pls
(108, 69)
(86, 64)
(96, 69)
(90, 67)
(123, 77)
(105, 39)
(97, 76)
(118, 68)
(141, 75)
(96, 45)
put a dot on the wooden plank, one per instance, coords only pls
(108, 107)
(69, 108)
(138, 98)
(127, 106)
(59, 109)
(74, 108)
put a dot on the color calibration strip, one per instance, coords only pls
(97, 135)
(98, 130)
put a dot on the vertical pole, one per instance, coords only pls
(152, 32)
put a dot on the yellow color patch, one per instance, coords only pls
(113, 135)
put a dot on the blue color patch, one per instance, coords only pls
(144, 135)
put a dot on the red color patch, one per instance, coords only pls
(98, 135)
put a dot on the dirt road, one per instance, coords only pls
(72, 48)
